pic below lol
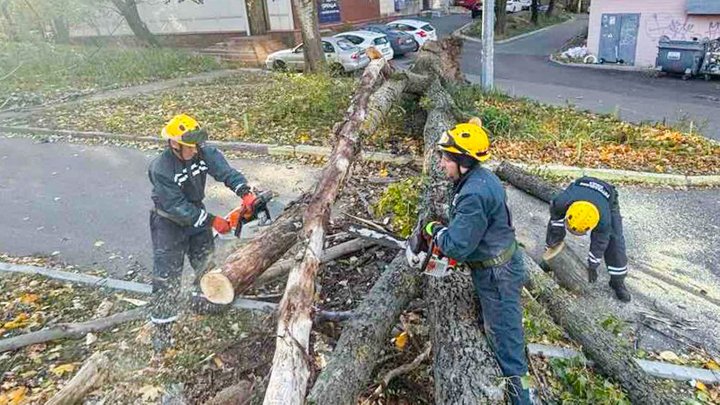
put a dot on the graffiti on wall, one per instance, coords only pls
(659, 24)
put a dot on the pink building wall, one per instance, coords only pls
(657, 18)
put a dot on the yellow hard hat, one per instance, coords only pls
(469, 139)
(581, 217)
(184, 130)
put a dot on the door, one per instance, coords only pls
(280, 15)
(618, 37)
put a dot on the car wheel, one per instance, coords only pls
(336, 69)
(279, 65)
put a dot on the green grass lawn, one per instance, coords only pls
(36, 73)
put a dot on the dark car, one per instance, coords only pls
(401, 42)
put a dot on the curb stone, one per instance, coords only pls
(459, 33)
(398, 160)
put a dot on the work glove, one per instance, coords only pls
(242, 190)
(592, 271)
(248, 202)
(221, 225)
(432, 228)
(414, 259)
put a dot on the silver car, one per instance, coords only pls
(340, 54)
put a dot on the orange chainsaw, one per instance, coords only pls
(254, 207)
(434, 263)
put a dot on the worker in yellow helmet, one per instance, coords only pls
(480, 234)
(591, 205)
(179, 222)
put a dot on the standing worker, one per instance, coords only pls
(179, 223)
(590, 204)
(481, 235)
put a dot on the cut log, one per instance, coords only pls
(282, 268)
(364, 337)
(583, 324)
(527, 182)
(70, 330)
(90, 375)
(242, 267)
(291, 362)
(464, 367)
(567, 267)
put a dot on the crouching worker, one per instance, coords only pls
(481, 235)
(179, 222)
(591, 205)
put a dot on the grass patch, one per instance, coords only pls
(518, 24)
(47, 72)
(532, 132)
(272, 108)
(401, 201)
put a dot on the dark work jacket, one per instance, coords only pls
(179, 186)
(480, 225)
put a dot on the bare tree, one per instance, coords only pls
(309, 28)
(500, 16)
(128, 9)
(534, 12)
(551, 8)
(9, 25)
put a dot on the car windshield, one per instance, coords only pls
(428, 27)
(380, 41)
(345, 45)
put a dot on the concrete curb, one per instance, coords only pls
(256, 148)
(384, 157)
(597, 66)
(459, 33)
(626, 175)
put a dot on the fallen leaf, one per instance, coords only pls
(14, 397)
(28, 299)
(712, 365)
(62, 369)
(700, 386)
(20, 321)
(383, 172)
(150, 393)
(401, 340)
(669, 356)
(218, 362)
(137, 303)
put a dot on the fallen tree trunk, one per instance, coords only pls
(91, 375)
(363, 338)
(291, 362)
(70, 330)
(610, 354)
(240, 270)
(569, 269)
(282, 268)
(464, 367)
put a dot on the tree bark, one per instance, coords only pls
(91, 375)
(610, 354)
(61, 30)
(307, 13)
(365, 336)
(257, 17)
(534, 12)
(291, 363)
(128, 9)
(551, 8)
(464, 366)
(527, 182)
(240, 270)
(238, 394)
(70, 330)
(500, 16)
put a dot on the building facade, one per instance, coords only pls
(629, 30)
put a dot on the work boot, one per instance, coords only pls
(201, 306)
(517, 394)
(162, 337)
(617, 283)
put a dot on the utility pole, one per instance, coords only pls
(488, 49)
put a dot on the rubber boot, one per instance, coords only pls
(617, 283)
(162, 337)
(201, 306)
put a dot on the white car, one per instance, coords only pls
(340, 54)
(420, 30)
(513, 6)
(526, 4)
(366, 39)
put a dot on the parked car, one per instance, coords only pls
(513, 6)
(476, 11)
(366, 39)
(340, 54)
(526, 4)
(420, 30)
(468, 4)
(401, 42)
